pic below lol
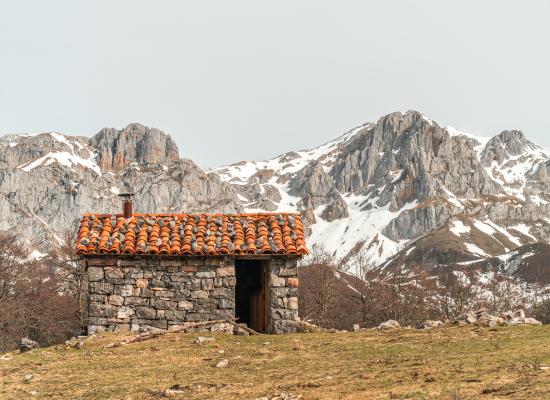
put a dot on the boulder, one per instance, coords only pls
(518, 314)
(389, 325)
(489, 320)
(27, 344)
(468, 318)
(507, 315)
(429, 324)
(532, 321)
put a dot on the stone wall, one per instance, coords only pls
(132, 293)
(283, 295)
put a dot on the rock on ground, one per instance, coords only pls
(389, 325)
(27, 344)
(429, 324)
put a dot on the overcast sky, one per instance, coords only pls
(233, 80)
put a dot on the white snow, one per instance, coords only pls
(472, 248)
(500, 229)
(453, 199)
(524, 229)
(62, 139)
(458, 228)
(361, 226)
(64, 158)
(485, 228)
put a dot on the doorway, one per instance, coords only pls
(251, 293)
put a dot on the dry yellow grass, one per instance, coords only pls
(450, 363)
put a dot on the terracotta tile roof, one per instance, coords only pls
(191, 234)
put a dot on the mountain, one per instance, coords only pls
(47, 181)
(402, 190)
(407, 186)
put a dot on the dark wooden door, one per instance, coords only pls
(258, 304)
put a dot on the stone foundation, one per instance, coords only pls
(132, 293)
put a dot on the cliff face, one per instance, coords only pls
(136, 143)
(391, 188)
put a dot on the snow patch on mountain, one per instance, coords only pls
(64, 158)
(458, 228)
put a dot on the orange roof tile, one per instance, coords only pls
(191, 234)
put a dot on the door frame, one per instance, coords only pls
(265, 281)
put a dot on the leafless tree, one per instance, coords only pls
(12, 257)
(70, 271)
(30, 302)
(456, 291)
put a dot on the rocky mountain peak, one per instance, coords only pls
(506, 145)
(19, 150)
(117, 149)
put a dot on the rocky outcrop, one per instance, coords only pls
(504, 146)
(27, 344)
(315, 188)
(389, 325)
(136, 143)
(412, 157)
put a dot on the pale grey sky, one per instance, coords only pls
(234, 80)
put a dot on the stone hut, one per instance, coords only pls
(160, 270)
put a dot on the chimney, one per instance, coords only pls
(126, 196)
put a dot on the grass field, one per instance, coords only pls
(450, 363)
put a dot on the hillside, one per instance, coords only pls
(403, 186)
(450, 363)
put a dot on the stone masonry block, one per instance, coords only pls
(199, 294)
(223, 292)
(100, 288)
(293, 282)
(146, 312)
(225, 271)
(131, 263)
(113, 273)
(102, 261)
(116, 300)
(276, 281)
(205, 274)
(95, 274)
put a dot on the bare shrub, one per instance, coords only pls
(30, 302)
(70, 272)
